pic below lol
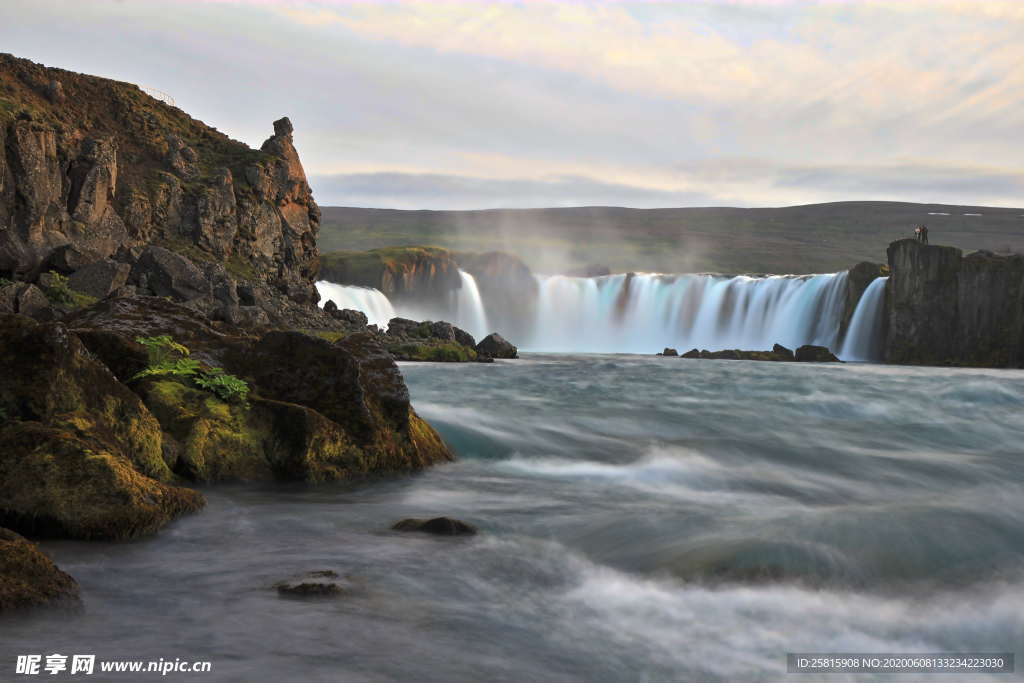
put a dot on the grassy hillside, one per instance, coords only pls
(797, 239)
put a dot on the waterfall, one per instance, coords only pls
(469, 313)
(645, 312)
(864, 336)
(641, 312)
(372, 302)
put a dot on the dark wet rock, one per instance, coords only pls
(33, 302)
(101, 278)
(29, 579)
(429, 341)
(440, 526)
(319, 584)
(948, 309)
(669, 352)
(80, 455)
(508, 289)
(692, 353)
(783, 353)
(496, 346)
(809, 353)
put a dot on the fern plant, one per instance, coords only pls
(168, 358)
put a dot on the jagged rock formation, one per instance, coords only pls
(96, 171)
(944, 308)
(429, 341)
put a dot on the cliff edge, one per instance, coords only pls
(97, 171)
(945, 308)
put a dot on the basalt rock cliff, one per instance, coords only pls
(944, 308)
(98, 176)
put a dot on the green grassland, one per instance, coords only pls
(798, 239)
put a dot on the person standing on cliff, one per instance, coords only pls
(917, 233)
(924, 234)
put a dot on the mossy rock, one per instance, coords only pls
(432, 351)
(50, 377)
(56, 482)
(30, 579)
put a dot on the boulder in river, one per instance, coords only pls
(808, 353)
(669, 352)
(692, 353)
(439, 526)
(30, 579)
(319, 584)
(496, 346)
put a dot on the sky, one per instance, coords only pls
(470, 105)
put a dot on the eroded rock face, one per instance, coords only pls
(857, 280)
(96, 169)
(948, 309)
(29, 579)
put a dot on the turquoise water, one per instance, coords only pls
(642, 519)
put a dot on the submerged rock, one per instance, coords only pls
(319, 584)
(30, 579)
(809, 353)
(496, 346)
(439, 526)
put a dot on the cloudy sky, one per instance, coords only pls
(520, 104)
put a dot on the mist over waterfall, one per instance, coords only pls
(864, 336)
(372, 302)
(646, 312)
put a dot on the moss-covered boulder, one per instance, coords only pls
(50, 377)
(438, 342)
(30, 579)
(60, 481)
(353, 383)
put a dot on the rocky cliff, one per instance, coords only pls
(95, 172)
(401, 273)
(948, 309)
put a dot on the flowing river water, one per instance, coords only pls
(641, 519)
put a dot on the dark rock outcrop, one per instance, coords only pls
(496, 346)
(96, 171)
(669, 352)
(439, 526)
(692, 353)
(29, 579)
(429, 341)
(319, 584)
(809, 353)
(948, 309)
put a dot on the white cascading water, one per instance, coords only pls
(469, 313)
(638, 314)
(864, 336)
(372, 302)
(646, 312)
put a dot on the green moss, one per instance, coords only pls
(433, 351)
(330, 335)
(55, 482)
(367, 268)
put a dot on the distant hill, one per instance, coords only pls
(795, 239)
